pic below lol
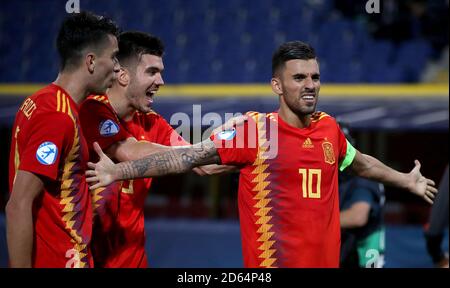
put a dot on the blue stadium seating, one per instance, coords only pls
(215, 41)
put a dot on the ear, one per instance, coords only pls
(123, 77)
(276, 86)
(90, 62)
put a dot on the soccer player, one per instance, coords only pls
(48, 215)
(288, 187)
(125, 126)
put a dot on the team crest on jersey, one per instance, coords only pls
(227, 134)
(46, 153)
(328, 152)
(108, 128)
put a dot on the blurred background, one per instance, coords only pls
(386, 74)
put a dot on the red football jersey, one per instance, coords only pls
(288, 189)
(119, 234)
(47, 140)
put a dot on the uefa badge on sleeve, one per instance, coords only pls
(46, 153)
(227, 134)
(108, 128)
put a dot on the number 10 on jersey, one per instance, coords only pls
(308, 177)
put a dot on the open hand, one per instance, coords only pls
(101, 173)
(420, 185)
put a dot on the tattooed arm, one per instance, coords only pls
(173, 161)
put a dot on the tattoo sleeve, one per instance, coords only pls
(175, 160)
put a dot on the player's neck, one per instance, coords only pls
(294, 120)
(70, 82)
(118, 100)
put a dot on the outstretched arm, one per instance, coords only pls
(214, 169)
(369, 167)
(173, 161)
(132, 149)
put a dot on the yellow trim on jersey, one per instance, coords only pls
(100, 98)
(323, 115)
(58, 100)
(151, 113)
(96, 197)
(272, 117)
(69, 110)
(130, 189)
(318, 116)
(66, 190)
(63, 109)
(80, 248)
(261, 196)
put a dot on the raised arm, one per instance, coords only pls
(173, 161)
(369, 167)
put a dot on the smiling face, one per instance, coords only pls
(145, 82)
(298, 84)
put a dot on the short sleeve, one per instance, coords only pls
(100, 124)
(239, 145)
(168, 136)
(349, 156)
(346, 151)
(48, 138)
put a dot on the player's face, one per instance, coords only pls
(106, 66)
(300, 85)
(145, 82)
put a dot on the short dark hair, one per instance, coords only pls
(289, 51)
(79, 31)
(133, 44)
